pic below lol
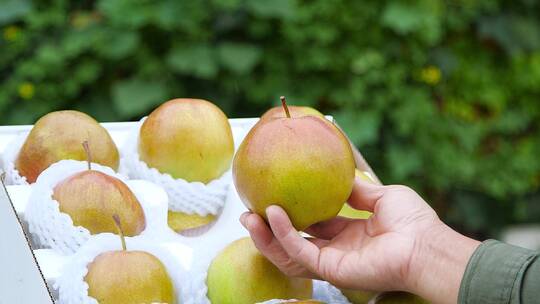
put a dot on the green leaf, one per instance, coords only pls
(118, 44)
(11, 10)
(136, 96)
(239, 58)
(275, 8)
(360, 126)
(196, 60)
(126, 12)
(404, 161)
(513, 33)
(421, 16)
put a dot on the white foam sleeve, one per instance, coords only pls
(189, 197)
(10, 156)
(53, 229)
(74, 290)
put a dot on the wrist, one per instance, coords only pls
(438, 263)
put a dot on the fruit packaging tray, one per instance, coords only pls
(191, 253)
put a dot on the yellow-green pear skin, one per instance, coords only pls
(358, 296)
(399, 297)
(295, 111)
(92, 197)
(187, 138)
(59, 135)
(304, 302)
(348, 211)
(127, 277)
(242, 275)
(305, 165)
(180, 221)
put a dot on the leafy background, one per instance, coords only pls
(440, 95)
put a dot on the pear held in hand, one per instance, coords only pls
(187, 138)
(241, 275)
(57, 136)
(127, 277)
(91, 197)
(305, 165)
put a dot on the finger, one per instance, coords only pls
(328, 229)
(264, 239)
(365, 195)
(299, 249)
(268, 245)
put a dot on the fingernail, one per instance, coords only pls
(269, 209)
(243, 219)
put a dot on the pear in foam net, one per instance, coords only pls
(91, 197)
(126, 277)
(189, 139)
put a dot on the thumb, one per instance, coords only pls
(365, 195)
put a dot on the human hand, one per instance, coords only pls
(392, 250)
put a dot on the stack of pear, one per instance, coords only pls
(127, 277)
(189, 139)
(303, 164)
(91, 197)
(57, 136)
(241, 275)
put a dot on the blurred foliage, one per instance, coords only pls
(440, 95)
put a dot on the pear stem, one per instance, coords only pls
(284, 104)
(116, 219)
(88, 154)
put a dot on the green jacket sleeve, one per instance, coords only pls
(501, 273)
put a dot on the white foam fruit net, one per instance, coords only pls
(8, 158)
(190, 197)
(51, 228)
(74, 290)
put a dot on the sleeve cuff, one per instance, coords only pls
(493, 272)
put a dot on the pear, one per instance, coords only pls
(358, 296)
(399, 297)
(294, 111)
(57, 136)
(348, 211)
(180, 221)
(187, 138)
(305, 165)
(304, 302)
(241, 275)
(91, 197)
(126, 277)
